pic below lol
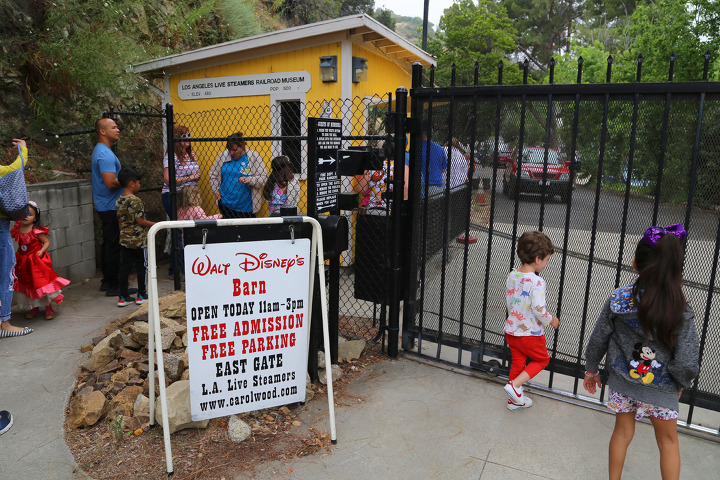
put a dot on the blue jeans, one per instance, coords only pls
(7, 269)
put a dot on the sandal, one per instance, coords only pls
(49, 313)
(7, 334)
(32, 313)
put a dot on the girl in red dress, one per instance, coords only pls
(37, 284)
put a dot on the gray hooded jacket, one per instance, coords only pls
(637, 367)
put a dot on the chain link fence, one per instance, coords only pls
(250, 160)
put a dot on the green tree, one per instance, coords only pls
(352, 7)
(471, 32)
(386, 17)
(546, 27)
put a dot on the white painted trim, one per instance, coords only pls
(276, 146)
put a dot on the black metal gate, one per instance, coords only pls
(637, 154)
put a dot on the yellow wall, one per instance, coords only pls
(384, 76)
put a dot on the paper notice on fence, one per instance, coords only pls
(247, 325)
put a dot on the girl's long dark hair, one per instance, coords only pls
(658, 289)
(281, 172)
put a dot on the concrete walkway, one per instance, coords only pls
(408, 420)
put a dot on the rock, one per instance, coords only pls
(238, 431)
(309, 392)
(351, 350)
(128, 357)
(178, 407)
(130, 424)
(111, 367)
(124, 402)
(86, 348)
(167, 337)
(103, 352)
(335, 373)
(185, 375)
(184, 340)
(141, 406)
(321, 359)
(139, 332)
(130, 342)
(124, 375)
(86, 408)
(171, 364)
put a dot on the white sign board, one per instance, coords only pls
(247, 325)
(244, 85)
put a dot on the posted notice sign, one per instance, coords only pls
(247, 325)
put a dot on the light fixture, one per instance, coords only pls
(328, 68)
(359, 69)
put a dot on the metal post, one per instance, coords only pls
(396, 222)
(169, 129)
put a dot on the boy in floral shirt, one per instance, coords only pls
(527, 315)
(133, 236)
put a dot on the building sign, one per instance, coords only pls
(247, 325)
(244, 85)
(327, 135)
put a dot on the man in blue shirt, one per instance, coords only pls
(437, 166)
(106, 190)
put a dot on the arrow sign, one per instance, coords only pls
(322, 161)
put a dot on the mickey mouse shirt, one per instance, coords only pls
(526, 305)
(639, 367)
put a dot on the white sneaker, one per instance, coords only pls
(515, 394)
(517, 406)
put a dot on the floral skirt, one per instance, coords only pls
(619, 403)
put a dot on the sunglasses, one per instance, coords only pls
(185, 135)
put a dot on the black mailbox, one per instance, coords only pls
(334, 234)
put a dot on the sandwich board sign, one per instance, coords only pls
(247, 325)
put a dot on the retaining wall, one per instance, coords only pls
(66, 208)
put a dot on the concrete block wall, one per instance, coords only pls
(66, 208)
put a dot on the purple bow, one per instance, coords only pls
(653, 234)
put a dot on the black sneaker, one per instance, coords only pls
(124, 301)
(104, 286)
(6, 421)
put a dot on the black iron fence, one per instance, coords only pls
(591, 165)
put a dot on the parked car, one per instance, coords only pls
(485, 151)
(556, 180)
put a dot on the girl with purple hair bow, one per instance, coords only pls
(646, 333)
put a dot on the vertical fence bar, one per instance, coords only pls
(696, 147)
(468, 208)
(663, 143)
(411, 257)
(548, 126)
(491, 219)
(446, 216)
(566, 235)
(516, 192)
(631, 157)
(596, 207)
(172, 185)
(396, 221)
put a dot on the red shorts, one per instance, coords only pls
(521, 348)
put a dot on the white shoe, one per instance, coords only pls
(515, 394)
(517, 406)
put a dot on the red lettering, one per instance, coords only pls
(204, 333)
(222, 330)
(196, 330)
(204, 351)
(213, 332)
(236, 287)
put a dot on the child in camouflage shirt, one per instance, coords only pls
(133, 236)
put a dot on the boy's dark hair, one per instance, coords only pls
(533, 244)
(127, 175)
